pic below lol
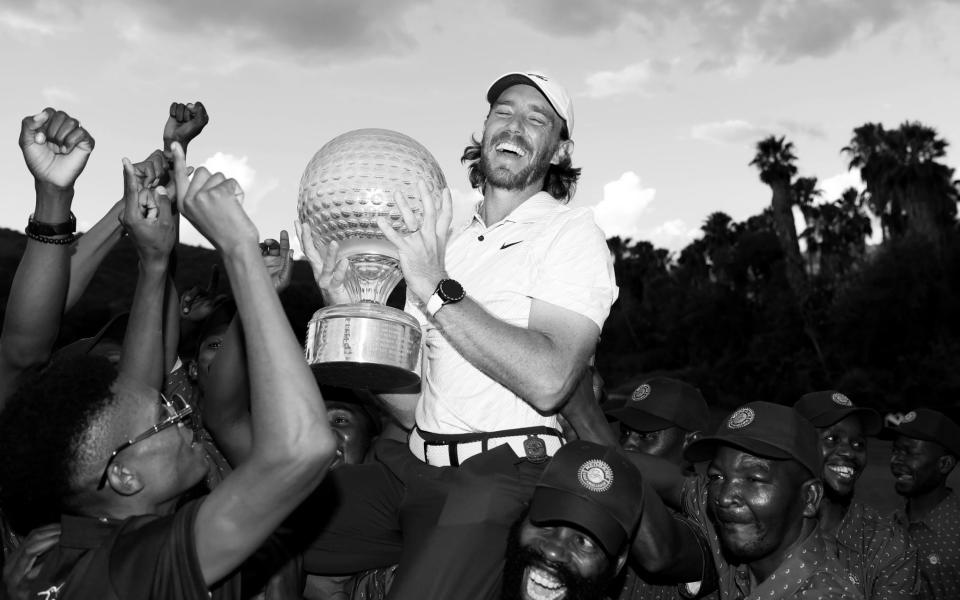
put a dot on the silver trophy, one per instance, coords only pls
(348, 183)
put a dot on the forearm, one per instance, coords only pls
(583, 413)
(662, 476)
(91, 249)
(226, 397)
(276, 367)
(35, 303)
(171, 324)
(142, 355)
(530, 363)
(665, 547)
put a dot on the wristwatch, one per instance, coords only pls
(448, 292)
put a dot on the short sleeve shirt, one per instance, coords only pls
(876, 552)
(145, 557)
(808, 572)
(542, 250)
(937, 540)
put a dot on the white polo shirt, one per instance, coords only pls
(543, 250)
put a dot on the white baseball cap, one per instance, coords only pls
(549, 87)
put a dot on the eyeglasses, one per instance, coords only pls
(178, 411)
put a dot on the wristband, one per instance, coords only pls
(59, 241)
(50, 229)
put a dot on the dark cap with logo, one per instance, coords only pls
(766, 430)
(593, 487)
(827, 407)
(662, 402)
(929, 425)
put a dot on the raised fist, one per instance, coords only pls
(212, 203)
(186, 121)
(147, 216)
(55, 147)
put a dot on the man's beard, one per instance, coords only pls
(518, 559)
(505, 180)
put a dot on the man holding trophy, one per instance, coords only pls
(511, 307)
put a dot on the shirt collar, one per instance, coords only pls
(530, 210)
(803, 560)
(950, 502)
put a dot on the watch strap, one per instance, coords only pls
(40, 228)
(434, 303)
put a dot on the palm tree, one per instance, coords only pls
(906, 186)
(775, 160)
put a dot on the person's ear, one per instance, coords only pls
(563, 152)
(946, 463)
(123, 479)
(812, 493)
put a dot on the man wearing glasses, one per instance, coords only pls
(117, 460)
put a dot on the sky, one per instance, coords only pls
(670, 97)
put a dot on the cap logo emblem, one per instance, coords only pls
(595, 475)
(840, 399)
(641, 392)
(741, 418)
(910, 417)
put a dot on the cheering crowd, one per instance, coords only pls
(188, 451)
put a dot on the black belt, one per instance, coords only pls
(536, 451)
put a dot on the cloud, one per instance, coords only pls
(26, 23)
(739, 132)
(674, 235)
(726, 33)
(312, 31)
(624, 202)
(631, 79)
(55, 96)
(255, 190)
(833, 187)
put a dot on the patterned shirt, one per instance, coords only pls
(937, 539)
(808, 572)
(876, 552)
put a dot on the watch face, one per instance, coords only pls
(450, 291)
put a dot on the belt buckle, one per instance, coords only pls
(535, 448)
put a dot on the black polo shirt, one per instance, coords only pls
(149, 557)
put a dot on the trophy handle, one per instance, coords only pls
(372, 277)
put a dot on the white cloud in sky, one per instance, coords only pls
(28, 24)
(624, 202)
(673, 235)
(739, 131)
(833, 187)
(255, 189)
(632, 79)
(55, 96)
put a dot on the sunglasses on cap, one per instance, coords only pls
(178, 411)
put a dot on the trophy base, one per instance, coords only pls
(366, 346)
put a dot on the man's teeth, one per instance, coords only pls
(845, 472)
(541, 585)
(508, 147)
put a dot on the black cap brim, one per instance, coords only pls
(639, 420)
(870, 419)
(551, 505)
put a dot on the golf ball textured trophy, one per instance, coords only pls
(348, 184)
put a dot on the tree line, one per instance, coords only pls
(757, 310)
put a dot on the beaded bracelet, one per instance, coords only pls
(50, 240)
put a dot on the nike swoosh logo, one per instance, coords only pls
(505, 246)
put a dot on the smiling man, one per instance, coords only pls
(759, 507)
(869, 545)
(925, 450)
(575, 536)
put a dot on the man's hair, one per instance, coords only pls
(49, 432)
(560, 181)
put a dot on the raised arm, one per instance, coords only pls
(56, 149)
(226, 396)
(148, 217)
(292, 441)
